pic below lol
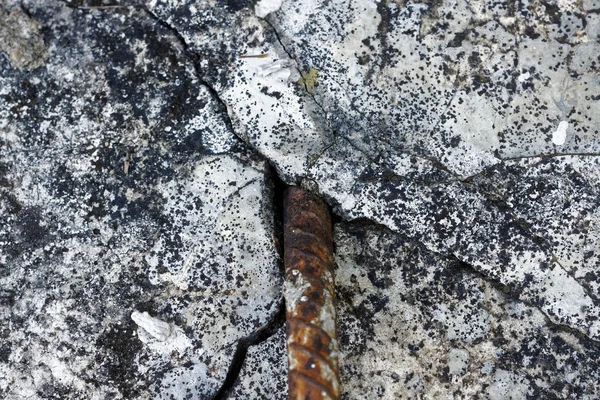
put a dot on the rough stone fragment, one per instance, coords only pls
(21, 39)
(156, 328)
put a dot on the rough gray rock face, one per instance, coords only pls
(433, 94)
(460, 137)
(264, 373)
(415, 324)
(20, 39)
(137, 236)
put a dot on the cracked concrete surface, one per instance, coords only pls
(457, 141)
(125, 192)
(416, 324)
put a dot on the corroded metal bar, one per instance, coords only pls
(309, 292)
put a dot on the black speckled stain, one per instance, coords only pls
(235, 5)
(7, 299)
(119, 347)
(31, 228)
(507, 216)
(451, 284)
(459, 38)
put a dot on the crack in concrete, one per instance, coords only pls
(336, 134)
(257, 337)
(462, 181)
(364, 221)
(194, 58)
(514, 297)
(311, 161)
(271, 327)
(276, 33)
(540, 240)
(541, 157)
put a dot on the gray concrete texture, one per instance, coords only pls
(144, 146)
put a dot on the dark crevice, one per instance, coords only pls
(257, 337)
(278, 187)
(496, 200)
(276, 33)
(215, 95)
(542, 156)
(513, 296)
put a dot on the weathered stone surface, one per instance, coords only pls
(468, 130)
(406, 110)
(414, 324)
(20, 39)
(136, 244)
(264, 374)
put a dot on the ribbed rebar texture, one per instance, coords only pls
(309, 292)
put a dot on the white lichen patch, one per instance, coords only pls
(524, 77)
(507, 385)
(458, 361)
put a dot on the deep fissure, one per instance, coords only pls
(194, 59)
(277, 187)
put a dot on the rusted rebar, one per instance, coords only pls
(309, 292)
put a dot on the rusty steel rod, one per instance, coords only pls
(309, 291)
